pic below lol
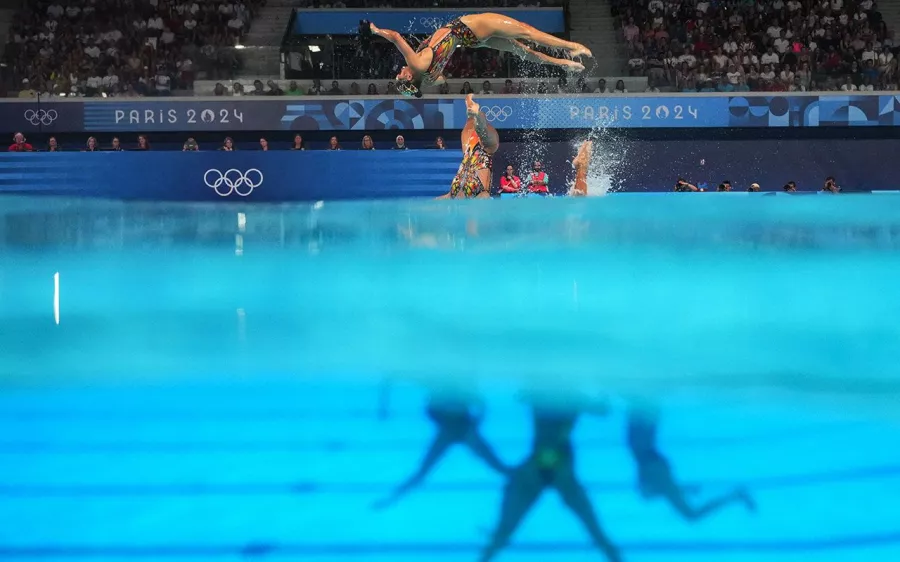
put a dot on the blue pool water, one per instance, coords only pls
(244, 382)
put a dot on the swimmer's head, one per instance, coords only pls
(407, 85)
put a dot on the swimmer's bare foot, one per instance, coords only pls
(583, 159)
(472, 108)
(580, 51)
(573, 66)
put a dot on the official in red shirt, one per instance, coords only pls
(20, 145)
(510, 182)
(538, 180)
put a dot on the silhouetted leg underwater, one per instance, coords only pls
(574, 496)
(483, 451)
(439, 446)
(521, 491)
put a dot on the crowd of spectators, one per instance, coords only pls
(486, 87)
(760, 45)
(122, 47)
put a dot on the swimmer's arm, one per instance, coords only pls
(412, 58)
(488, 135)
(440, 80)
(444, 196)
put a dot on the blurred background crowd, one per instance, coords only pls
(157, 47)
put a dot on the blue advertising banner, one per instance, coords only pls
(324, 113)
(222, 176)
(416, 22)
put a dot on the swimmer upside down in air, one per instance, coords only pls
(479, 143)
(424, 66)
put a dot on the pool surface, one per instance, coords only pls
(216, 382)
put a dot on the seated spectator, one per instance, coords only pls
(368, 143)
(400, 143)
(333, 144)
(439, 143)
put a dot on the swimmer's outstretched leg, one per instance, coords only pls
(675, 495)
(480, 447)
(525, 52)
(519, 495)
(581, 163)
(486, 25)
(573, 495)
(442, 441)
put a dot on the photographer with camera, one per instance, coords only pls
(684, 186)
(831, 185)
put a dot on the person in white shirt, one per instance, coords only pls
(769, 57)
(868, 53)
(733, 75)
(110, 81)
(601, 87)
(781, 44)
(730, 46)
(778, 5)
(884, 59)
(655, 6)
(735, 20)
(73, 11)
(866, 5)
(689, 58)
(774, 30)
(163, 83)
(55, 10)
(767, 75)
(703, 6)
(190, 23)
(167, 37)
(155, 23)
(720, 59)
(486, 88)
(793, 5)
(849, 86)
(92, 51)
(94, 82)
(786, 75)
(836, 5)
(235, 25)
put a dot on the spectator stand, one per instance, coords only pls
(767, 45)
(121, 47)
(352, 87)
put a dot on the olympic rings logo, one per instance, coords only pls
(430, 22)
(497, 113)
(242, 183)
(41, 117)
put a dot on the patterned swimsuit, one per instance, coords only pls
(459, 36)
(467, 180)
